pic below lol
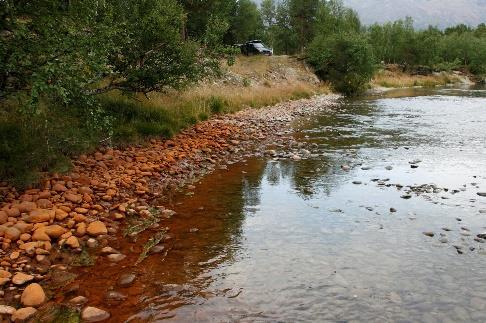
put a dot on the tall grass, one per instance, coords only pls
(32, 144)
(396, 79)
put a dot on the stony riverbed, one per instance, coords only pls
(70, 219)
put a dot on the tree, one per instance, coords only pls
(268, 12)
(285, 37)
(346, 60)
(302, 18)
(247, 22)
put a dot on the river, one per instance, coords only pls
(377, 222)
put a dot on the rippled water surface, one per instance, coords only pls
(282, 240)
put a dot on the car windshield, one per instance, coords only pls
(259, 45)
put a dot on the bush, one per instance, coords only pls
(346, 60)
(216, 104)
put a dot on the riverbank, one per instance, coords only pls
(32, 145)
(392, 77)
(73, 219)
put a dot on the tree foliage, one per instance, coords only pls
(344, 59)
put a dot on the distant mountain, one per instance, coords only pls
(441, 13)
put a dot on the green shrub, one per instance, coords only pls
(346, 60)
(216, 104)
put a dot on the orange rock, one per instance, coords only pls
(61, 214)
(12, 233)
(40, 215)
(59, 187)
(81, 229)
(54, 231)
(79, 218)
(96, 228)
(13, 212)
(3, 217)
(72, 242)
(75, 198)
(33, 295)
(44, 204)
(26, 206)
(40, 235)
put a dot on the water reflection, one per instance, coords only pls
(282, 240)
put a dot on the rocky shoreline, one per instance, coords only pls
(46, 231)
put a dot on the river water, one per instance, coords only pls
(339, 235)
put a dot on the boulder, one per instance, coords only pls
(33, 295)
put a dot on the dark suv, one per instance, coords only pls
(255, 47)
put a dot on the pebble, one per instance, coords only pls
(389, 167)
(21, 278)
(97, 228)
(93, 314)
(4, 309)
(116, 257)
(126, 280)
(23, 314)
(78, 300)
(393, 210)
(429, 234)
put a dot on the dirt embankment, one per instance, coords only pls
(74, 219)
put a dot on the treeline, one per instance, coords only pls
(327, 33)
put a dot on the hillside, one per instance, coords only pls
(428, 12)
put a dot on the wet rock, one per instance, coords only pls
(483, 194)
(113, 296)
(96, 228)
(157, 249)
(33, 295)
(78, 300)
(12, 233)
(91, 243)
(8, 310)
(482, 235)
(116, 257)
(126, 280)
(23, 314)
(357, 182)
(406, 196)
(21, 278)
(40, 215)
(93, 314)
(72, 242)
(428, 234)
(393, 210)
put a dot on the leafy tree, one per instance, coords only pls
(247, 22)
(284, 35)
(302, 18)
(346, 60)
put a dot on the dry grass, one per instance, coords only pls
(395, 79)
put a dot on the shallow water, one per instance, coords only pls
(282, 240)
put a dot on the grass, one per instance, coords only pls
(396, 79)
